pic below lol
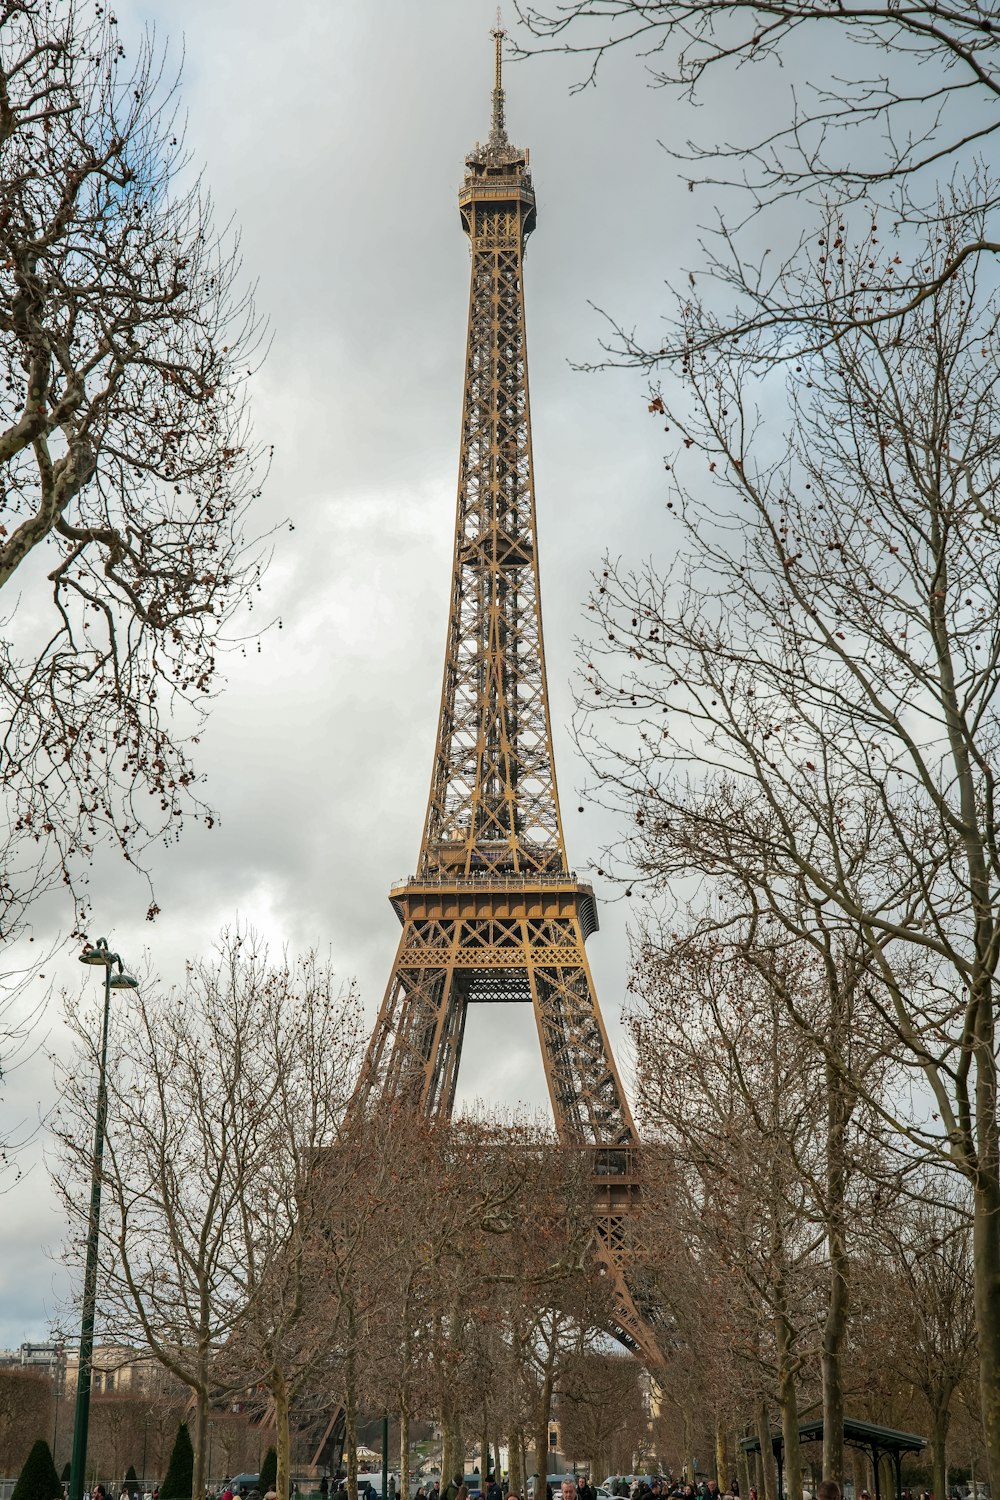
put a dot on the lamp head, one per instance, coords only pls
(124, 981)
(97, 953)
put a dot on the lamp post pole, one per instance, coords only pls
(385, 1455)
(98, 954)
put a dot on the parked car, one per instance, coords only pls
(554, 1479)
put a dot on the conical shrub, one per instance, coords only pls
(269, 1471)
(38, 1479)
(180, 1470)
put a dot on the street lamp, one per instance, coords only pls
(98, 954)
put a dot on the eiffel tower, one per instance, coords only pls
(494, 912)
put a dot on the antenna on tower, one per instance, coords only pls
(498, 131)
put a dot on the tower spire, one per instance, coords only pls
(498, 130)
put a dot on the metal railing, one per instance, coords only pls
(562, 878)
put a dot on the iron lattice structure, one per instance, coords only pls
(494, 912)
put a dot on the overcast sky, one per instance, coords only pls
(333, 132)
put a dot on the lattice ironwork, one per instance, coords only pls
(494, 913)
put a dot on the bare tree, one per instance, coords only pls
(315, 1201)
(126, 467)
(885, 139)
(25, 1415)
(811, 702)
(216, 1098)
(115, 1432)
(922, 1279)
(749, 1140)
(601, 1414)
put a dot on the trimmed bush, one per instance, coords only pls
(38, 1479)
(269, 1471)
(180, 1470)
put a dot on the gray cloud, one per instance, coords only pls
(334, 135)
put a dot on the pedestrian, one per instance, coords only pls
(454, 1485)
(493, 1490)
(828, 1489)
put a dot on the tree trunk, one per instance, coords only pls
(515, 1468)
(484, 1453)
(279, 1390)
(200, 1444)
(861, 1477)
(986, 1247)
(835, 1323)
(788, 1402)
(767, 1465)
(542, 1440)
(743, 1471)
(404, 1451)
(722, 1473)
(351, 1416)
(689, 1454)
(447, 1452)
(939, 1437)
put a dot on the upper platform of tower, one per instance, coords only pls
(497, 172)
